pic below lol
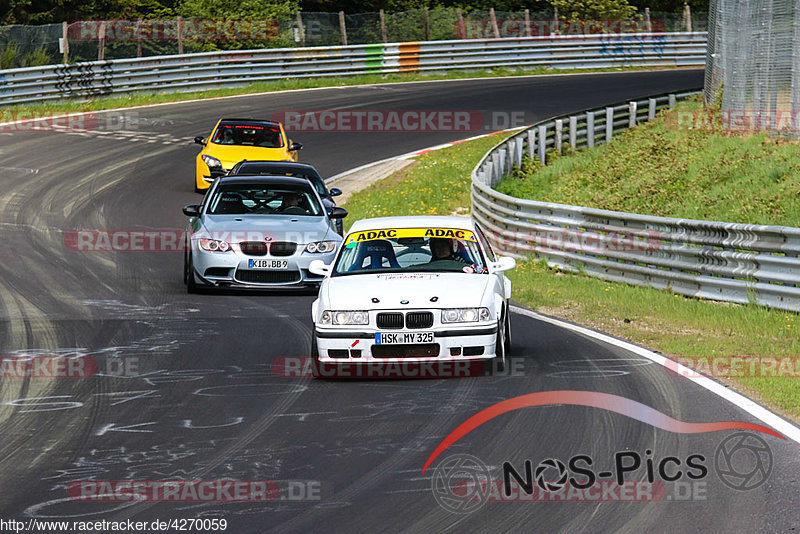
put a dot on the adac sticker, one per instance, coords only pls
(395, 233)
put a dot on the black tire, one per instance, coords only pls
(498, 364)
(508, 333)
(315, 363)
(188, 275)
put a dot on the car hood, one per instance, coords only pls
(452, 290)
(230, 155)
(297, 229)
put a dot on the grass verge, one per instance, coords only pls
(682, 328)
(142, 99)
(664, 168)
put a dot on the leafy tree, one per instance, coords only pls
(594, 9)
(239, 9)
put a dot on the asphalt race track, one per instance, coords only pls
(200, 398)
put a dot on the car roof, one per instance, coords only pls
(279, 165)
(261, 178)
(256, 121)
(413, 221)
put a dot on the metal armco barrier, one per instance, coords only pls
(235, 68)
(716, 260)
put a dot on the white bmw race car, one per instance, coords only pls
(412, 290)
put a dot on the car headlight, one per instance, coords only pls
(213, 245)
(465, 315)
(213, 163)
(321, 247)
(344, 317)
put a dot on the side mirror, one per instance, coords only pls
(503, 263)
(192, 210)
(335, 192)
(295, 146)
(200, 140)
(338, 213)
(319, 268)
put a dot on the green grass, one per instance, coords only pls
(142, 99)
(677, 326)
(660, 169)
(438, 184)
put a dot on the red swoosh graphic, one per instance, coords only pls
(605, 401)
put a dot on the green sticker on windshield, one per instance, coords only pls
(350, 245)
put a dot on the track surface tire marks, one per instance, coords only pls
(206, 404)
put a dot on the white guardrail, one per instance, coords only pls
(715, 260)
(231, 68)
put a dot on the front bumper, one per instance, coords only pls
(474, 342)
(230, 269)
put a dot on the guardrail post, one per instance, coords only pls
(590, 128)
(300, 29)
(493, 18)
(651, 113)
(427, 24)
(462, 28)
(632, 108)
(180, 34)
(528, 32)
(672, 100)
(531, 143)
(512, 150)
(573, 131)
(101, 42)
(65, 42)
(609, 124)
(559, 134)
(543, 144)
(343, 28)
(139, 38)
(383, 25)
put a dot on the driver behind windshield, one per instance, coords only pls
(442, 249)
(292, 204)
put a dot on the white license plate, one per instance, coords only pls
(271, 265)
(397, 338)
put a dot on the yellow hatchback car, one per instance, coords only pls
(235, 140)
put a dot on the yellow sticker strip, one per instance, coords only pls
(395, 233)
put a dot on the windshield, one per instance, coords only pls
(410, 250)
(255, 168)
(264, 136)
(263, 199)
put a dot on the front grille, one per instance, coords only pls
(390, 320)
(419, 320)
(268, 277)
(253, 248)
(282, 248)
(427, 350)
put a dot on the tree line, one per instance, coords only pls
(55, 11)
